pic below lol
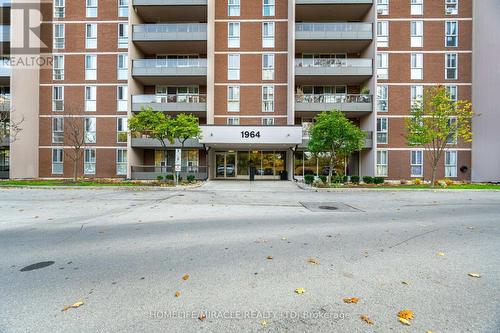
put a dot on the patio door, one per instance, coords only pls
(225, 165)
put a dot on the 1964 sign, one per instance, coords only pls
(250, 134)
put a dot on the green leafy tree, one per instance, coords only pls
(184, 127)
(333, 133)
(438, 121)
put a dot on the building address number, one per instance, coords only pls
(250, 134)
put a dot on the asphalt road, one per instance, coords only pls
(124, 254)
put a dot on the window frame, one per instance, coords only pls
(383, 130)
(59, 11)
(59, 41)
(270, 6)
(383, 7)
(122, 8)
(90, 72)
(383, 33)
(414, 164)
(233, 8)
(450, 4)
(122, 104)
(121, 128)
(57, 160)
(235, 119)
(268, 98)
(58, 72)
(265, 119)
(122, 35)
(233, 103)
(450, 167)
(58, 130)
(121, 160)
(90, 130)
(233, 41)
(268, 34)
(91, 36)
(382, 164)
(55, 106)
(92, 10)
(89, 160)
(448, 35)
(233, 72)
(414, 94)
(447, 68)
(416, 4)
(382, 58)
(268, 67)
(90, 98)
(416, 40)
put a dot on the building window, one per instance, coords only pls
(90, 130)
(91, 67)
(57, 98)
(268, 66)
(452, 93)
(90, 98)
(233, 7)
(450, 163)
(451, 7)
(417, 33)
(58, 36)
(233, 121)
(233, 35)
(382, 34)
(451, 34)
(91, 36)
(382, 130)
(417, 163)
(58, 130)
(122, 35)
(416, 96)
(58, 8)
(122, 64)
(233, 67)
(58, 67)
(383, 66)
(122, 8)
(121, 129)
(382, 163)
(57, 161)
(452, 137)
(233, 98)
(417, 66)
(268, 99)
(382, 98)
(121, 161)
(267, 121)
(383, 7)
(122, 98)
(268, 34)
(89, 161)
(451, 66)
(91, 8)
(268, 8)
(417, 7)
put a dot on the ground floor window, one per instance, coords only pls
(382, 162)
(4, 159)
(450, 164)
(267, 164)
(89, 160)
(307, 163)
(190, 159)
(57, 161)
(417, 163)
(121, 161)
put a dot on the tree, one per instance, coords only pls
(184, 127)
(438, 121)
(9, 126)
(75, 136)
(333, 133)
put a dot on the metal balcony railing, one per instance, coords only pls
(169, 28)
(157, 99)
(170, 63)
(333, 27)
(333, 98)
(333, 62)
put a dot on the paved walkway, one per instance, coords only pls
(248, 186)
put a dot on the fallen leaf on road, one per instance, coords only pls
(73, 306)
(470, 228)
(441, 254)
(270, 257)
(300, 290)
(428, 331)
(284, 238)
(313, 261)
(351, 300)
(406, 314)
(405, 282)
(263, 323)
(475, 275)
(202, 317)
(177, 294)
(185, 277)
(366, 319)
(404, 321)
(365, 254)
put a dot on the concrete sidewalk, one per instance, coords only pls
(248, 186)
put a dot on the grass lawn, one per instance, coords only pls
(65, 182)
(426, 187)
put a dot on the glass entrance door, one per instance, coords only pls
(225, 164)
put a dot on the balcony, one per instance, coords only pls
(318, 37)
(170, 103)
(188, 38)
(144, 141)
(332, 71)
(171, 10)
(352, 105)
(305, 137)
(170, 71)
(332, 10)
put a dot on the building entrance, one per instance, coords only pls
(238, 164)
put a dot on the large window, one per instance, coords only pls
(382, 130)
(121, 161)
(122, 67)
(90, 130)
(452, 137)
(382, 33)
(58, 67)
(57, 161)
(417, 66)
(452, 92)
(416, 95)
(233, 66)
(59, 9)
(451, 34)
(268, 99)
(382, 163)
(121, 129)
(268, 66)
(90, 98)
(450, 163)
(122, 35)
(91, 36)
(58, 130)
(382, 98)
(417, 7)
(122, 98)
(89, 161)
(91, 67)
(57, 98)
(268, 34)
(233, 98)
(382, 66)
(233, 34)
(233, 7)
(417, 33)
(451, 66)
(59, 36)
(91, 8)
(417, 163)
(451, 7)
(123, 8)
(233, 121)
(383, 7)
(267, 7)
(267, 121)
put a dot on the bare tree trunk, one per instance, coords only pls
(75, 164)
(330, 171)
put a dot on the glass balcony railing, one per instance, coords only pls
(170, 28)
(333, 62)
(333, 98)
(146, 99)
(170, 63)
(333, 27)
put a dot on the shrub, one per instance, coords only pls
(169, 177)
(378, 180)
(449, 182)
(319, 183)
(403, 182)
(159, 178)
(190, 178)
(323, 178)
(344, 179)
(417, 181)
(308, 179)
(368, 179)
(441, 183)
(355, 179)
(338, 179)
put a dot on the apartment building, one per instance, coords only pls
(255, 73)
(4, 83)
